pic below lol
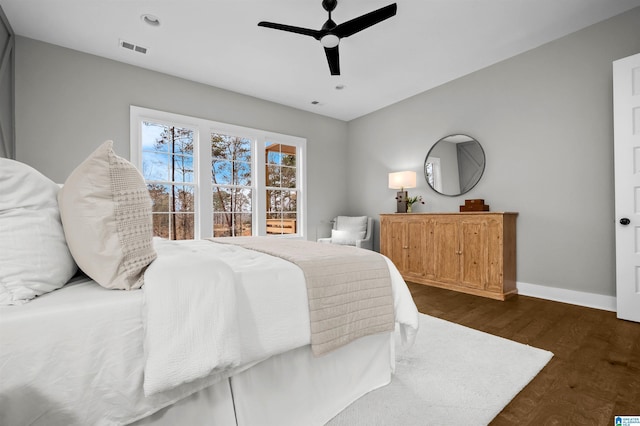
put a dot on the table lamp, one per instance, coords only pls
(401, 181)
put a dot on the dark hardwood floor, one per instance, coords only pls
(594, 374)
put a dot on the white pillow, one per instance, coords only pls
(34, 257)
(346, 237)
(106, 212)
(352, 223)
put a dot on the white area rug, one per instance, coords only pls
(452, 375)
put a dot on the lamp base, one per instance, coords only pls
(401, 205)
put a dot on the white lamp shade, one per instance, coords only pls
(401, 180)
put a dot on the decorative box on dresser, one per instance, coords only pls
(471, 252)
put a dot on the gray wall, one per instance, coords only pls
(544, 119)
(68, 102)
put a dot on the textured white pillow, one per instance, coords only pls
(352, 223)
(34, 258)
(346, 237)
(106, 212)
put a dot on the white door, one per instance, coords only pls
(626, 125)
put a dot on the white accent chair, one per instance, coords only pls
(351, 230)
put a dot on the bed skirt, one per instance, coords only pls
(294, 388)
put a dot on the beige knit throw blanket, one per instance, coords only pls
(349, 289)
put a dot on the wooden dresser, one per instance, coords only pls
(472, 252)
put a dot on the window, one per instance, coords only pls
(281, 188)
(433, 173)
(167, 166)
(232, 190)
(212, 179)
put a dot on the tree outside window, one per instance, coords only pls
(232, 187)
(167, 166)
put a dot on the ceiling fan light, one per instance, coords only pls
(330, 40)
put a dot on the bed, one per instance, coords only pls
(75, 350)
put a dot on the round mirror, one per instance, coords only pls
(454, 165)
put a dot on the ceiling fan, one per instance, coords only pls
(331, 33)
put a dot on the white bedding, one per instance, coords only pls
(191, 327)
(73, 357)
(268, 315)
(76, 356)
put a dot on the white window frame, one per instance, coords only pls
(203, 204)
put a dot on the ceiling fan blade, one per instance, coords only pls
(365, 21)
(298, 30)
(333, 58)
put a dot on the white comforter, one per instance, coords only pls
(193, 317)
(222, 327)
(76, 356)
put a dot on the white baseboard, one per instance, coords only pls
(590, 300)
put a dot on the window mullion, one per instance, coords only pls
(260, 164)
(204, 211)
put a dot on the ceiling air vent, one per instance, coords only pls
(133, 47)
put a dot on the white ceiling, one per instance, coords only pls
(218, 42)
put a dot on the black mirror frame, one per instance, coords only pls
(484, 165)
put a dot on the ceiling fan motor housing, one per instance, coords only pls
(329, 5)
